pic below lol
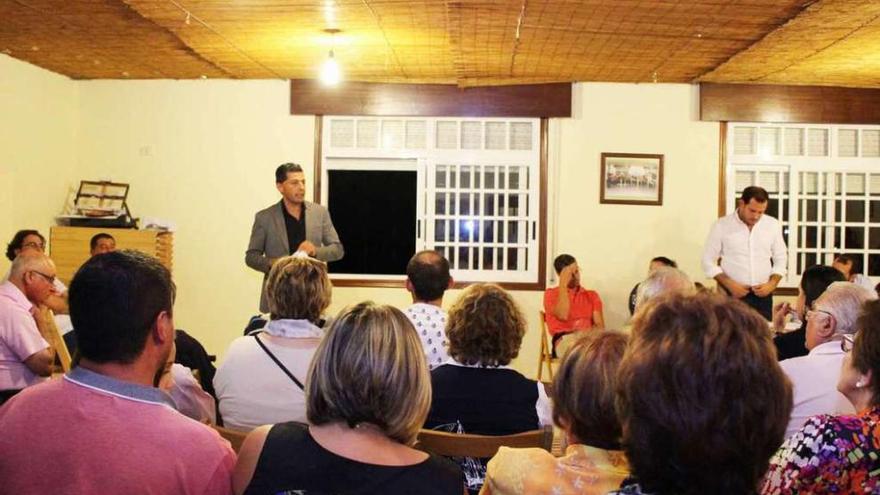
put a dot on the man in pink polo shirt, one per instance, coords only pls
(25, 356)
(569, 307)
(104, 427)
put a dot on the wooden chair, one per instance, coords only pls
(235, 437)
(546, 357)
(46, 320)
(466, 445)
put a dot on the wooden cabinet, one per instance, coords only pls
(69, 246)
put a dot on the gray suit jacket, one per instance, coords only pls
(269, 240)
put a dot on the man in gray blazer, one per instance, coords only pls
(290, 225)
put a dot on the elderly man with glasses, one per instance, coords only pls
(830, 322)
(25, 355)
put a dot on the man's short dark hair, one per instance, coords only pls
(284, 169)
(18, 240)
(816, 279)
(97, 237)
(562, 261)
(114, 301)
(428, 271)
(665, 261)
(854, 260)
(759, 194)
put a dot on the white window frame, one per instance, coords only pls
(425, 161)
(767, 156)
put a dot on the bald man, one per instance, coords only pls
(25, 355)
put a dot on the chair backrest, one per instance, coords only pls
(235, 437)
(53, 336)
(466, 445)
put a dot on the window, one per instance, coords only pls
(476, 195)
(824, 186)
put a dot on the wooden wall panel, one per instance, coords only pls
(789, 104)
(309, 97)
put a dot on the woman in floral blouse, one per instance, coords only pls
(839, 454)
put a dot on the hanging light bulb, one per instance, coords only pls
(330, 73)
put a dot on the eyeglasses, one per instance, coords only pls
(813, 312)
(35, 245)
(47, 278)
(846, 344)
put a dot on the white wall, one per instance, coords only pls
(38, 124)
(202, 153)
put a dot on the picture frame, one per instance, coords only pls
(631, 179)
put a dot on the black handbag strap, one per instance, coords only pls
(283, 368)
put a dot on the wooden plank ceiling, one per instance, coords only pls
(464, 42)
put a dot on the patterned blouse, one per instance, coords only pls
(830, 454)
(582, 470)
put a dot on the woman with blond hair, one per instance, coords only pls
(583, 406)
(367, 396)
(261, 381)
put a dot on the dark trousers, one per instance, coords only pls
(763, 305)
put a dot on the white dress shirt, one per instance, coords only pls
(749, 257)
(814, 379)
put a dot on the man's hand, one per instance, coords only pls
(308, 247)
(780, 312)
(765, 289)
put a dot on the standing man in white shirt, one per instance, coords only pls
(752, 252)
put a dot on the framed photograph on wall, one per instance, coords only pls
(631, 179)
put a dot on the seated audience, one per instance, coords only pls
(104, 427)
(25, 240)
(814, 281)
(658, 262)
(25, 355)
(814, 376)
(427, 278)
(475, 391)
(367, 395)
(701, 398)
(570, 308)
(663, 281)
(583, 407)
(102, 243)
(261, 379)
(839, 454)
(850, 265)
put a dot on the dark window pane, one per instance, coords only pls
(785, 234)
(874, 238)
(500, 227)
(511, 258)
(873, 265)
(838, 238)
(855, 237)
(513, 204)
(452, 199)
(465, 227)
(773, 208)
(450, 255)
(477, 175)
(465, 178)
(502, 179)
(838, 206)
(499, 257)
(452, 174)
(451, 235)
(512, 231)
(464, 204)
(439, 230)
(440, 178)
(809, 260)
(812, 206)
(475, 255)
(488, 259)
(514, 179)
(783, 215)
(501, 204)
(855, 210)
(475, 230)
(800, 263)
(440, 204)
(488, 204)
(875, 212)
(490, 177)
(464, 258)
(489, 231)
(811, 237)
